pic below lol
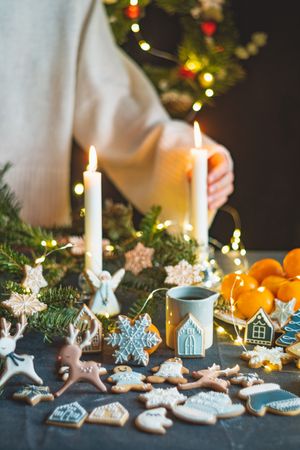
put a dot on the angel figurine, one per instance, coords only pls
(103, 287)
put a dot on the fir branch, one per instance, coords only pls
(54, 321)
(11, 261)
(66, 297)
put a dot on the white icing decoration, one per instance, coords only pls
(69, 413)
(124, 378)
(291, 404)
(154, 421)
(170, 369)
(257, 389)
(133, 339)
(163, 397)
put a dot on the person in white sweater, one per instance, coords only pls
(62, 76)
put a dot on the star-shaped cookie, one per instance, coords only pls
(33, 394)
(34, 279)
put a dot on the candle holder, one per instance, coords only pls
(210, 272)
(195, 300)
(99, 291)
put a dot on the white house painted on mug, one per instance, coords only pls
(189, 338)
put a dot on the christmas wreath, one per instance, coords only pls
(207, 61)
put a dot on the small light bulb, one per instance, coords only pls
(237, 261)
(186, 237)
(167, 223)
(134, 2)
(225, 249)
(197, 106)
(43, 243)
(139, 234)
(243, 252)
(235, 246)
(208, 77)
(209, 93)
(220, 330)
(160, 226)
(144, 46)
(237, 233)
(79, 189)
(53, 243)
(135, 27)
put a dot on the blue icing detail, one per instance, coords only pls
(290, 330)
(258, 402)
(290, 405)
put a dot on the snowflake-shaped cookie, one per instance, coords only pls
(34, 279)
(162, 397)
(260, 356)
(132, 339)
(27, 304)
(183, 274)
(138, 258)
(283, 311)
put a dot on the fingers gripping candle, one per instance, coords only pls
(93, 215)
(199, 203)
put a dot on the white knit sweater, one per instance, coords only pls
(61, 75)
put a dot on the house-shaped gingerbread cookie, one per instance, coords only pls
(83, 321)
(189, 338)
(259, 329)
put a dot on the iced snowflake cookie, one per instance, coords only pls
(209, 378)
(162, 397)
(71, 415)
(269, 397)
(111, 414)
(153, 421)
(246, 379)
(207, 407)
(33, 395)
(259, 356)
(134, 340)
(126, 380)
(172, 371)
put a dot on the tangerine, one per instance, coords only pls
(155, 330)
(290, 290)
(248, 303)
(264, 268)
(234, 284)
(291, 263)
(273, 282)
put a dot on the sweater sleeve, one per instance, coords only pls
(142, 150)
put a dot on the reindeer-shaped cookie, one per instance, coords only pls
(15, 364)
(209, 378)
(70, 354)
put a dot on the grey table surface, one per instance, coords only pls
(23, 426)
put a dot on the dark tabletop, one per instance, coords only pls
(23, 426)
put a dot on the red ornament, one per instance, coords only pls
(132, 12)
(208, 28)
(184, 72)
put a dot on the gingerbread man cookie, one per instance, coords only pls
(126, 380)
(172, 371)
(209, 378)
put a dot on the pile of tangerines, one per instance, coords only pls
(266, 280)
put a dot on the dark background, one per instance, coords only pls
(258, 120)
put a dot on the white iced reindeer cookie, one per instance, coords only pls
(15, 364)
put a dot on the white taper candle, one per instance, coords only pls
(93, 214)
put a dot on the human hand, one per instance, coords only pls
(220, 180)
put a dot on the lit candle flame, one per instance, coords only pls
(197, 135)
(92, 166)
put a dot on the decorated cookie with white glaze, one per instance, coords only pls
(215, 403)
(153, 421)
(162, 397)
(172, 371)
(70, 415)
(111, 414)
(126, 380)
(270, 398)
(246, 379)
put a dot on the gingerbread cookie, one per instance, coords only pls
(111, 414)
(209, 378)
(153, 421)
(269, 397)
(216, 404)
(162, 397)
(15, 364)
(193, 415)
(259, 356)
(126, 380)
(294, 350)
(70, 354)
(133, 338)
(33, 395)
(172, 371)
(246, 379)
(71, 415)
